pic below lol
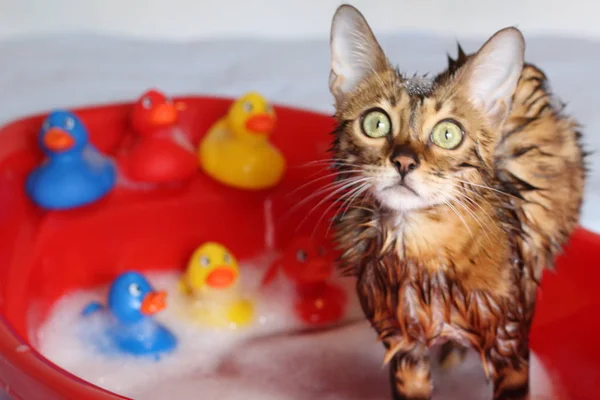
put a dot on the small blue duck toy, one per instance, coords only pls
(74, 173)
(126, 325)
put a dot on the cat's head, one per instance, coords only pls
(410, 141)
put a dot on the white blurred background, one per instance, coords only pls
(277, 19)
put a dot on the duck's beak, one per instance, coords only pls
(221, 277)
(57, 139)
(164, 114)
(261, 124)
(153, 302)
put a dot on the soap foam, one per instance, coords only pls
(276, 358)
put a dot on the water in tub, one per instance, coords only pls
(276, 358)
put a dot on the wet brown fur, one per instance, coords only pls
(469, 276)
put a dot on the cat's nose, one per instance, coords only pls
(405, 160)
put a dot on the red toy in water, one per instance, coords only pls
(309, 264)
(303, 261)
(156, 149)
(320, 302)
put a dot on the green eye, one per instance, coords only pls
(376, 124)
(447, 134)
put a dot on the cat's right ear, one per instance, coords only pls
(355, 53)
(492, 74)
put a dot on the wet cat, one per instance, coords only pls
(460, 190)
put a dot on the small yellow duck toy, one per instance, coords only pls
(236, 150)
(211, 281)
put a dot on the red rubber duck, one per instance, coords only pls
(157, 150)
(309, 265)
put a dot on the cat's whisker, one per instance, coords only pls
(352, 168)
(470, 190)
(328, 159)
(458, 215)
(486, 187)
(344, 186)
(473, 215)
(328, 176)
(328, 162)
(330, 186)
(478, 217)
(317, 172)
(362, 203)
(477, 193)
(483, 199)
(333, 203)
(316, 162)
(359, 207)
(456, 190)
(347, 202)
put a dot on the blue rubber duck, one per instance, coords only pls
(126, 325)
(74, 173)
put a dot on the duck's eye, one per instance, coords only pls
(247, 107)
(376, 124)
(204, 261)
(301, 256)
(70, 124)
(135, 290)
(447, 135)
(146, 102)
(227, 258)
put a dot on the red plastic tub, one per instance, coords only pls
(44, 254)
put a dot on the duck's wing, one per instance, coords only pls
(182, 140)
(95, 158)
(91, 308)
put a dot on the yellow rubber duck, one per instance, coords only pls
(211, 281)
(236, 150)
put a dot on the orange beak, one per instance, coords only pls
(221, 277)
(154, 302)
(57, 139)
(261, 124)
(164, 114)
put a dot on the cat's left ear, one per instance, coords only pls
(491, 75)
(355, 53)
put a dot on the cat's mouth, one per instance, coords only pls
(400, 195)
(401, 187)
